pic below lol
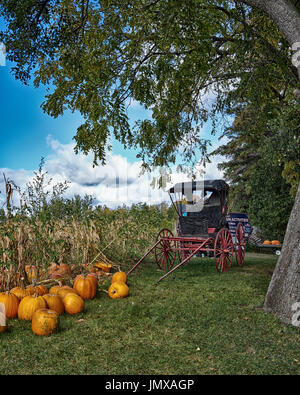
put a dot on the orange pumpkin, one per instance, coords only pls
(103, 266)
(54, 290)
(29, 305)
(275, 242)
(44, 322)
(66, 290)
(118, 290)
(119, 276)
(11, 303)
(267, 242)
(54, 302)
(85, 286)
(73, 303)
(40, 290)
(20, 292)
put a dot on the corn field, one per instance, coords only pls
(123, 235)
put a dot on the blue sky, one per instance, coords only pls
(27, 134)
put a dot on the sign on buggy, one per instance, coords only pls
(233, 220)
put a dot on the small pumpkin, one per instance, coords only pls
(103, 266)
(66, 290)
(54, 302)
(119, 276)
(20, 292)
(3, 320)
(73, 303)
(275, 242)
(41, 290)
(85, 286)
(267, 242)
(31, 289)
(29, 305)
(11, 303)
(44, 322)
(54, 290)
(118, 289)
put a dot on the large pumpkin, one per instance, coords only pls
(85, 286)
(44, 322)
(29, 305)
(275, 242)
(20, 292)
(73, 303)
(54, 302)
(119, 276)
(118, 289)
(267, 242)
(11, 303)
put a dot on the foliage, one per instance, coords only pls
(98, 56)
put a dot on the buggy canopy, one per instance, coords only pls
(209, 185)
(194, 193)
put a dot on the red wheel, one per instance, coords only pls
(223, 250)
(240, 243)
(165, 252)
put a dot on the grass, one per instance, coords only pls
(195, 321)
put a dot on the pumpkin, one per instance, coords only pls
(267, 242)
(118, 290)
(40, 290)
(11, 303)
(119, 276)
(29, 305)
(20, 292)
(275, 242)
(3, 320)
(73, 303)
(92, 276)
(54, 290)
(85, 286)
(54, 302)
(66, 290)
(30, 289)
(103, 266)
(44, 322)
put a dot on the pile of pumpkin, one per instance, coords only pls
(273, 242)
(43, 307)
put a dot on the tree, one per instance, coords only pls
(165, 55)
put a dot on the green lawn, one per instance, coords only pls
(195, 321)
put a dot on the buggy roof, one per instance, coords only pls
(208, 185)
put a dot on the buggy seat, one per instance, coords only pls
(197, 224)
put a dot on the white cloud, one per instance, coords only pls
(116, 183)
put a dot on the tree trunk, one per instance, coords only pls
(287, 18)
(284, 288)
(283, 295)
